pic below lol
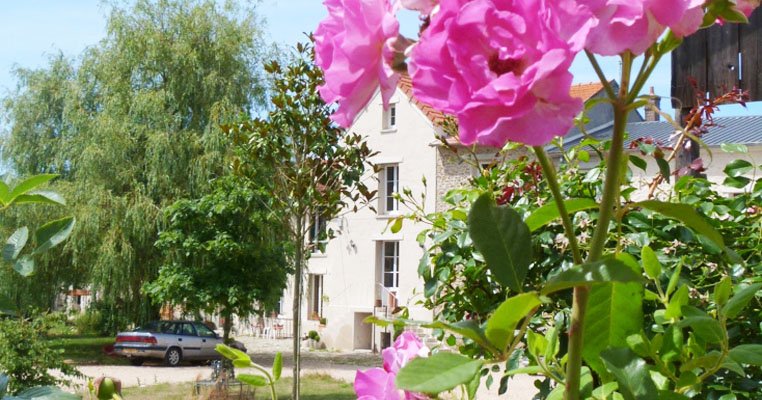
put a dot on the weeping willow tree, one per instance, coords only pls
(132, 125)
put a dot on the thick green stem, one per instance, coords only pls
(610, 197)
(549, 170)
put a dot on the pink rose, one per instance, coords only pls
(378, 383)
(747, 6)
(353, 47)
(501, 67)
(422, 6)
(635, 25)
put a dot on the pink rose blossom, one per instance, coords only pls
(501, 67)
(353, 47)
(422, 6)
(635, 25)
(378, 383)
(747, 6)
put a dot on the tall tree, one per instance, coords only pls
(224, 252)
(316, 167)
(132, 126)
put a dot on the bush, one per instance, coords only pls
(56, 324)
(89, 322)
(27, 358)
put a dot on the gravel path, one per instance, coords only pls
(340, 365)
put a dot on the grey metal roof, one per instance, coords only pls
(742, 130)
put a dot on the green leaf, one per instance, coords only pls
(468, 329)
(529, 370)
(5, 193)
(672, 344)
(747, 354)
(503, 238)
(603, 271)
(632, 374)
(53, 233)
(24, 266)
(438, 373)
(651, 264)
(397, 225)
(734, 148)
(685, 214)
(664, 168)
(241, 363)
(549, 212)
(639, 162)
(614, 312)
(604, 391)
(675, 306)
(737, 168)
(738, 182)
(43, 197)
(502, 324)
(231, 353)
(674, 279)
(15, 244)
(277, 366)
(722, 291)
(706, 328)
(740, 300)
(29, 184)
(252, 380)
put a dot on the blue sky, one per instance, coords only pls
(32, 31)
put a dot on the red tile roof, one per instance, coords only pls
(583, 91)
(406, 85)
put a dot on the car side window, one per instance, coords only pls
(204, 331)
(167, 327)
(187, 330)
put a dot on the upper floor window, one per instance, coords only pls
(318, 234)
(389, 180)
(390, 117)
(390, 259)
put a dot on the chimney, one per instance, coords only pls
(652, 109)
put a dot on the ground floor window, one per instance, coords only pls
(315, 299)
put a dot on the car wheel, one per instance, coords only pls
(136, 361)
(173, 357)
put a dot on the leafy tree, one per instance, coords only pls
(224, 252)
(132, 126)
(317, 167)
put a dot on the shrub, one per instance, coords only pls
(27, 358)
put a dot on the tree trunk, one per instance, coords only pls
(226, 327)
(297, 306)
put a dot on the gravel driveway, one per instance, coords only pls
(339, 365)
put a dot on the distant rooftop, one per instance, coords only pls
(741, 130)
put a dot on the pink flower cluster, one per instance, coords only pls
(501, 67)
(378, 383)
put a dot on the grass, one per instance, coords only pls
(314, 387)
(86, 350)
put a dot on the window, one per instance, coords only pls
(390, 257)
(318, 234)
(315, 299)
(389, 180)
(390, 118)
(204, 331)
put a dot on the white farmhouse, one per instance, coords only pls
(367, 270)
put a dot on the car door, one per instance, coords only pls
(209, 341)
(188, 340)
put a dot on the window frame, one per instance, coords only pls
(389, 118)
(315, 292)
(395, 263)
(386, 197)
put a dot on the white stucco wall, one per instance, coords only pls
(351, 261)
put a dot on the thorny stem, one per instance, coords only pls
(611, 188)
(549, 170)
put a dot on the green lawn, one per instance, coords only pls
(314, 387)
(86, 350)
